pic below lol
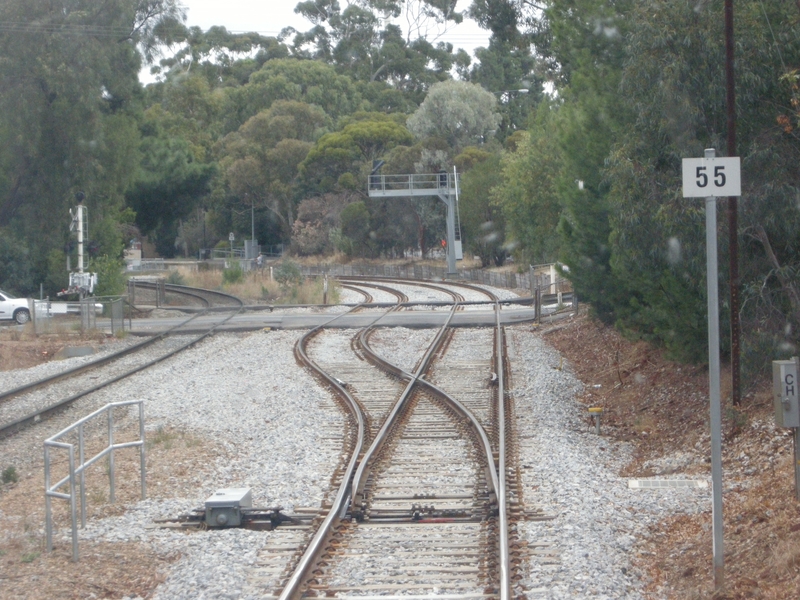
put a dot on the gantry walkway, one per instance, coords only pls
(442, 185)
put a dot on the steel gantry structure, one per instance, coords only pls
(443, 185)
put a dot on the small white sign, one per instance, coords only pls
(706, 177)
(231, 237)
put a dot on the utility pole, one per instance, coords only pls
(733, 211)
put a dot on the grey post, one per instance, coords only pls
(712, 286)
(450, 202)
(112, 495)
(797, 448)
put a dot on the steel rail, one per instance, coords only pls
(377, 443)
(198, 293)
(40, 383)
(505, 560)
(183, 289)
(423, 283)
(355, 488)
(408, 282)
(325, 529)
(36, 416)
(367, 297)
(498, 476)
(292, 587)
(401, 297)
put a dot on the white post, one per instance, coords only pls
(80, 238)
(712, 286)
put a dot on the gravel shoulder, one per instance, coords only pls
(220, 416)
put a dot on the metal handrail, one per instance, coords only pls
(411, 182)
(51, 491)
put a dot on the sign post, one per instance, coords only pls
(709, 177)
(796, 444)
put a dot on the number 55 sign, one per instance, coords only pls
(706, 177)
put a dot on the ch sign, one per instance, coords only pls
(711, 177)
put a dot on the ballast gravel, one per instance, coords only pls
(572, 474)
(275, 421)
(247, 394)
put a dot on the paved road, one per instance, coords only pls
(292, 319)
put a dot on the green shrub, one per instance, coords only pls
(233, 274)
(287, 274)
(110, 275)
(10, 475)
(176, 278)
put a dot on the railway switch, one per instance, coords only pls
(224, 507)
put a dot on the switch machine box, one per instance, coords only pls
(223, 508)
(785, 393)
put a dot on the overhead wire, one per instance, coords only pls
(116, 31)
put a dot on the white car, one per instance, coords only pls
(14, 309)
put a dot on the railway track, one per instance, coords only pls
(195, 296)
(35, 401)
(419, 504)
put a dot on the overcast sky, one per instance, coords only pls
(268, 17)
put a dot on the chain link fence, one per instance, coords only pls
(52, 317)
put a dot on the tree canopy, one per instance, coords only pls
(567, 131)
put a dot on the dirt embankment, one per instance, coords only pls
(662, 407)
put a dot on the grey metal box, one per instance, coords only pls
(785, 393)
(223, 508)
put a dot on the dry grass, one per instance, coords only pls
(177, 465)
(257, 287)
(342, 259)
(22, 348)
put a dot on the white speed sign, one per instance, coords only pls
(706, 177)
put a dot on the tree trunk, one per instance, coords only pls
(420, 234)
(788, 286)
(10, 206)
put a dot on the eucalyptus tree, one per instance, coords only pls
(675, 83)
(363, 38)
(223, 58)
(344, 158)
(529, 193)
(482, 221)
(309, 81)
(68, 97)
(261, 161)
(459, 113)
